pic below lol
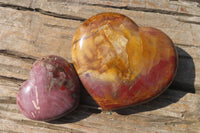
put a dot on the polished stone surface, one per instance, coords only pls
(121, 64)
(52, 90)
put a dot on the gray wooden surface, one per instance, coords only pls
(30, 29)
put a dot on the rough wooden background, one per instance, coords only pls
(30, 29)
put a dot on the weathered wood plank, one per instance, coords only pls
(175, 7)
(9, 87)
(19, 68)
(29, 33)
(175, 25)
(187, 75)
(23, 3)
(173, 111)
(30, 29)
(26, 36)
(13, 67)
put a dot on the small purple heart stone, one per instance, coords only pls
(52, 91)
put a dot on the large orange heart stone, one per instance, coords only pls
(121, 64)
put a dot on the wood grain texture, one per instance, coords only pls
(173, 24)
(30, 35)
(30, 29)
(174, 112)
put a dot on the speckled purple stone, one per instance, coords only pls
(52, 91)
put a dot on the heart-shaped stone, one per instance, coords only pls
(52, 90)
(121, 64)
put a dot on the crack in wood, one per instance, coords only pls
(18, 55)
(187, 21)
(186, 45)
(16, 7)
(65, 16)
(13, 79)
(48, 13)
(160, 11)
(8, 100)
(60, 27)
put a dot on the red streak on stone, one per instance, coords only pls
(143, 86)
(62, 87)
(58, 73)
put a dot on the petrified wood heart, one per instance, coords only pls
(121, 64)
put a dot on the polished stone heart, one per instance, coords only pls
(52, 90)
(121, 64)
